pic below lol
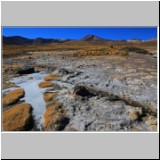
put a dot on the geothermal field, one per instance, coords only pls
(90, 84)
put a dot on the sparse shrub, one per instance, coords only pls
(124, 52)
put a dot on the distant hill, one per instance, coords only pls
(46, 41)
(152, 40)
(91, 37)
(18, 40)
(135, 40)
(120, 40)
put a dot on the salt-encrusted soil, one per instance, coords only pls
(93, 93)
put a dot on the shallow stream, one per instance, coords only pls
(34, 94)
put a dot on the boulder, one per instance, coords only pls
(26, 70)
(63, 71)
(82, 91)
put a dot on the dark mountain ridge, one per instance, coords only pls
(18, 40)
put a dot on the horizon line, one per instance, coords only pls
(80, 38)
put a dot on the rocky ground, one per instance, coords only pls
(84, 93)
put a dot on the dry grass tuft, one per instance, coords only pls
(13, 96)
(54, 118)
(48, 97)
(9, 50)
(50, 78)
(134, 115)
(151, 120)
(102, 51)
(114, 51)
(18, 118)
(45, 84)
(51, 99)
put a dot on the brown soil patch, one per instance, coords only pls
(118, 77)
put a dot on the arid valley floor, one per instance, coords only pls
(71, 90)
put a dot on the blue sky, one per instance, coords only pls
(113, 33)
